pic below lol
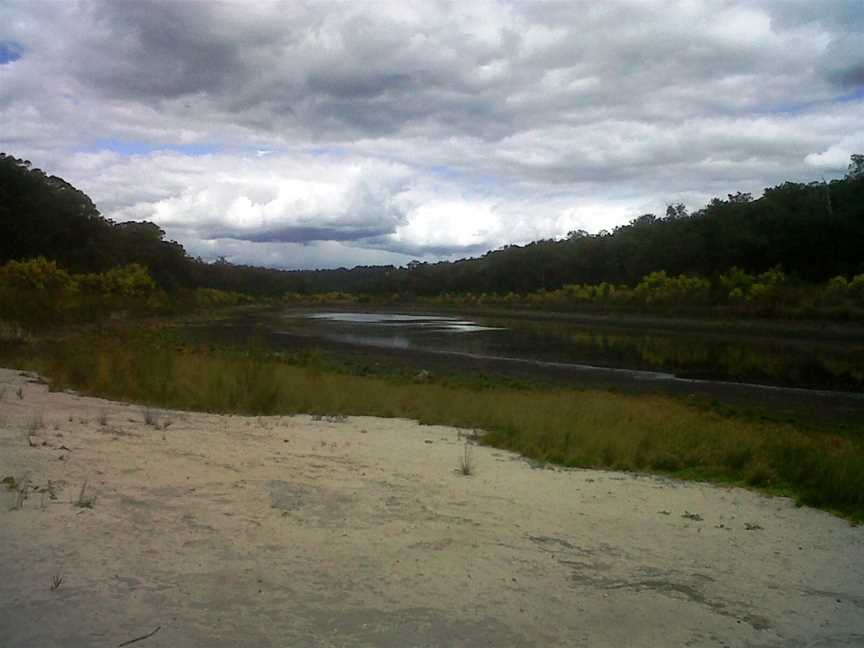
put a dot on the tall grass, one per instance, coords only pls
(572, 427)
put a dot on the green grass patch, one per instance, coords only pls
(581, 428)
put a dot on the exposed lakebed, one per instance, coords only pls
(759, 366)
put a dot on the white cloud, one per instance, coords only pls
(394, 129)
(835, 159)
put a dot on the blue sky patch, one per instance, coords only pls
(856, 95)
(9, 52)
(130, 147)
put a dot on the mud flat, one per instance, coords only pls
(203, 530)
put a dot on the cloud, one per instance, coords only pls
(835, 159)
(411, 128)
(388, 209)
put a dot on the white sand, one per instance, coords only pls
(285, 531)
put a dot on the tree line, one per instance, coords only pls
(813, 232)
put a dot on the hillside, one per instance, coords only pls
(813, 231)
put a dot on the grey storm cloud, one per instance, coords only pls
(425, 129)
(367, 215)
(345, 71)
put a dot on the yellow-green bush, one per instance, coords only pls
(211, 297)
(36, 290)
(660, 288)
(39, 292)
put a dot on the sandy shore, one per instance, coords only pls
(226, 531)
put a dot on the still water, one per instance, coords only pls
(809, 362)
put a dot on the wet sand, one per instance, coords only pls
(288, 531)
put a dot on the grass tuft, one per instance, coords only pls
(84, 500)
(22, 493)
(34, 423)
(467, 464)
(152, 416)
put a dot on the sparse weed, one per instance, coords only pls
(473, 436)
(34, 423)
(84, 500)
(466, 465)
(50, 490)
(56, 581)
(22, 493)
(152, 416)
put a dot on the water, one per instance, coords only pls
(428, 322)
(809, 363)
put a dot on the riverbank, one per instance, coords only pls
(820, 463)
(358, 531)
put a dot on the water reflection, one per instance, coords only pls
(435, 322)
(377, 318)
(809, 363)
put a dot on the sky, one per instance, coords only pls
(334, 134)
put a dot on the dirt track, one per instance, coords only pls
(287, 531)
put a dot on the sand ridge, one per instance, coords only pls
(308, 531)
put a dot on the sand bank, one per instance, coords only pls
(226, 531)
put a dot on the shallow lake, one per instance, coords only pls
(553, 344)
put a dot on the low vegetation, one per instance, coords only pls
(37, 292)
(735, 293)
(570, 427)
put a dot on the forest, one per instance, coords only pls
(798, 245)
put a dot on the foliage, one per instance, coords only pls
(659, 288)
(37, 291)
(734, 293)
(212, 297)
